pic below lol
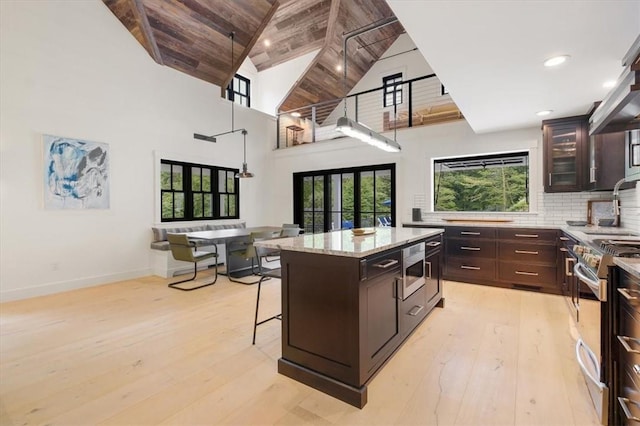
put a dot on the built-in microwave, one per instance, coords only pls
(632, 150)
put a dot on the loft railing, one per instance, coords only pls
(424, 101)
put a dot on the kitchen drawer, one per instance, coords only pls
(470, 269)
(628, 394)
(413, 310)
(525, 273)
(379, 264)
(470, 232)
(528, 234)
(471, 248)
(522, 252)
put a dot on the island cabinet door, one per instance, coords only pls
(379, 321)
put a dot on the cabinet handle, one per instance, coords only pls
(626, 294)
(532, 274)
(592, 174)
(473, 268)
(625, 343)
(623, 403)
(636, 369)
(434, 243)
(527, 235)
(386, 263)
(469, 233)
(469, 248)
(549, 179)
(564, 238)
(526, 252)
(416, 310)
(563, 249)
(428, 264)
(568, 270)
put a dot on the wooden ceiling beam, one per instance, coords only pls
(249, 46)
(141, 16)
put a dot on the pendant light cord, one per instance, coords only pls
(232, 36)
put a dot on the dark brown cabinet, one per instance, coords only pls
(471, 254)
(343, 317)
(606, 161)
(527, 258)
(524, 258)
(625, 401)
(565, 145)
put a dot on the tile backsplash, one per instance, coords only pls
(557, 208)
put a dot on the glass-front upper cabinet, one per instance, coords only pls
(564, 150)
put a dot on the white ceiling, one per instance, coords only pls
(489, 54)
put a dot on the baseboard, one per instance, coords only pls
(62, 286)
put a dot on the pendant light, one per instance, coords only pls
(244, 173)
(354, 128)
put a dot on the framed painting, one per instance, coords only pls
(76, 173)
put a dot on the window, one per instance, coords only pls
(392, 89)
(239, 90)
(488, 183)
(197, 192)
(355, 197)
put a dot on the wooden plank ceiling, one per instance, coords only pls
(192, 36)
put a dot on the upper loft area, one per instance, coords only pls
(397, 104)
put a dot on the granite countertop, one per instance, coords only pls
(630, 265)
(344, 243)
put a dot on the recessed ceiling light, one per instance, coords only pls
(267, 42)
(545, 112)
(295, 114)
(609, 84)
(338, 67)
(556, 60)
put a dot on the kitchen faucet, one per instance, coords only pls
(616, 201)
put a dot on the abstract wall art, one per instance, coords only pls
(76, 174)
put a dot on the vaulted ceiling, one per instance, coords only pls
(193, 36)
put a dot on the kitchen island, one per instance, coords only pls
(345, 308)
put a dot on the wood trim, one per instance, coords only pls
(145, 29)
(243, 55)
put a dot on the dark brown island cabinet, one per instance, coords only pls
(343, 316)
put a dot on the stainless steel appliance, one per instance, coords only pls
(412, 269)
(632, 155)
(593, 319)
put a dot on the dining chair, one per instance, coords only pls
(248, 252)
(184, 250)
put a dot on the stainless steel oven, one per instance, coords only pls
(412, 269)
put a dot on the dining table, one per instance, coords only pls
(234, 239)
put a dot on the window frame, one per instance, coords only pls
(189, 192)
(529, 184)
(391, 86)
(238, 96)
(327, 211)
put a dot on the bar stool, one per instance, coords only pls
(265, 273)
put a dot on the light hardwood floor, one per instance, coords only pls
(138, 353)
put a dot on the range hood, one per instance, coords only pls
(620, 110)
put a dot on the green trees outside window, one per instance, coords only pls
(491, 183)
(329, 200)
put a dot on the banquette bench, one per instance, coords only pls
(166, 266)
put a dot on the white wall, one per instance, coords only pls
(274, 83)
(72, 69)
